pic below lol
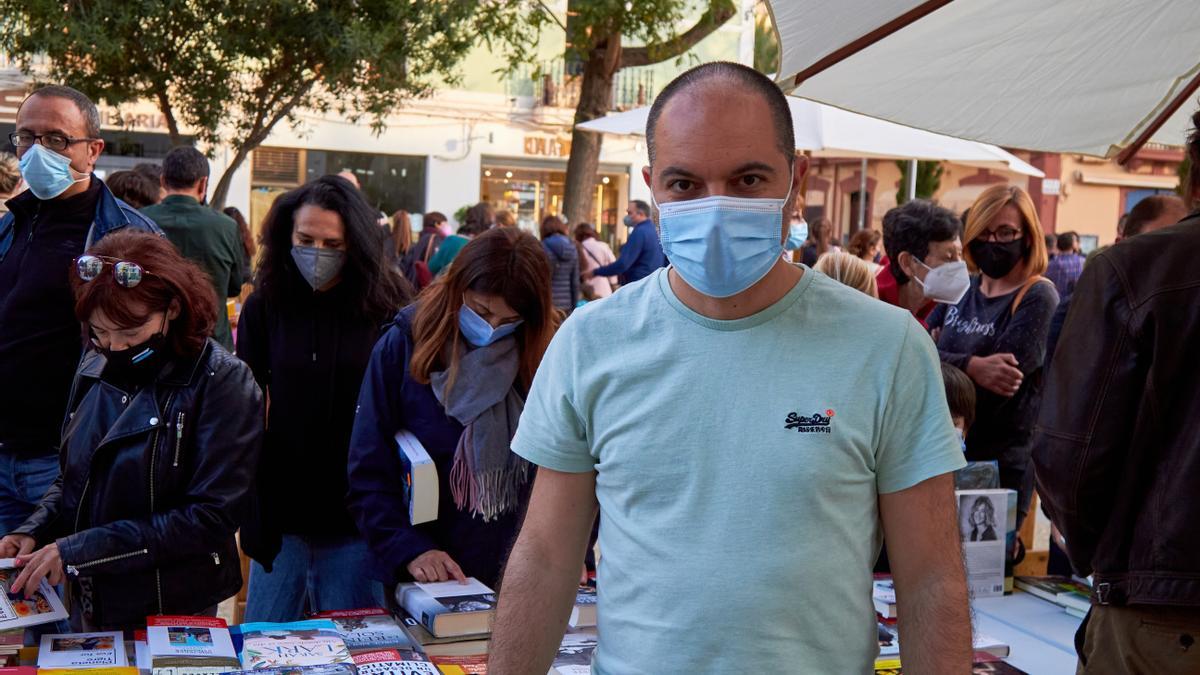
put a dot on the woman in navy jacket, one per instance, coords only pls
(453, 370)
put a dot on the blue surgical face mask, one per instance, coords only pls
(47, 173)
(478, 331)
(628, 220)
(722, 245)
(797, 235)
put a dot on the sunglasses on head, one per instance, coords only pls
(127, 274)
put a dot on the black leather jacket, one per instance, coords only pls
(1117, 449)
(153, 486)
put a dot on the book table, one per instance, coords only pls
(1040, 634)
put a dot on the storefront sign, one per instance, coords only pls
(140, 120)
(547, 146)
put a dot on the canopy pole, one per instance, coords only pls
(855, 46)
(912, 179)
(862, 195)
(1144, 137)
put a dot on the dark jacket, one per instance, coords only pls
(564, 271)
(1117, 449)
(212, 240)
(40, 338)
(309, 356)
(152, 486)
(640, 256)
(390, 401)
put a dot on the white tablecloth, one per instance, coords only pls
(1040, 633)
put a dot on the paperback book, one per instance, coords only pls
(987, 522)
(18, 611)
(461, 665)
(420, 479)
(189, 645)
(583, 615)
(315, 642)
(575, 654)
(368, 630)
(112, 670)
(82, 650)
(449, 608)
(393, 662)
(884, 596)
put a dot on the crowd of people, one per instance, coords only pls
(708, 410)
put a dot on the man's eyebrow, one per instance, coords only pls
(60, 132)
(754, 166)
(677, 171)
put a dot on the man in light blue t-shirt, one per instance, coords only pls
(749, 429)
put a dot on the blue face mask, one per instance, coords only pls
(47, 173)
(797, 236)
(722, 245)
(628, 220)
(479, 332)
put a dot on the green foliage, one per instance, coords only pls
(766, 45)
(929, 179)
(460, 216)
(233, 70)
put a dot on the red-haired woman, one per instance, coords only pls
(158, 452)
(453, 370)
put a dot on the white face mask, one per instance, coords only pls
(946, 283)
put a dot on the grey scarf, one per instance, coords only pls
(486, 476)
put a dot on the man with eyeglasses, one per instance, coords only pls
(64, 211)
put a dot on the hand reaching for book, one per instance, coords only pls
(435, 565)
(44, 564)
(14, 545)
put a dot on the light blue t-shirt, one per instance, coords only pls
(738, 468)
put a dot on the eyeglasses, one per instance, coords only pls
(1004, 235)
(127, 274)
(57, 142)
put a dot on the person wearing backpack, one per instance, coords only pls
(435, 227)
(996, 333)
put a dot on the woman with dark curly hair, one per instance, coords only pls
(326, 287)
(158, 452)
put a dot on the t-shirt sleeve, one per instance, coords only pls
(917, 439)
(552, 432)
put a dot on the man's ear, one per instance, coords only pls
(203, 188)
(646, 177)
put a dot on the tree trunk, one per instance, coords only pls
(595, 99)
(222, 191)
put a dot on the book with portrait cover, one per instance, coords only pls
(449, 608)
(315, 642)
(987, 523)
(393, 662)
(82, 650)
(18, 611)
(368, 630)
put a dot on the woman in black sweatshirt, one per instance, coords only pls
(324, 292)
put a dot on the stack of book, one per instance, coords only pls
(449, 619)
(370, 630)
(1074, 595)
(189, 645)
(313, 644)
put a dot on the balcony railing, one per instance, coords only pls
(556, 84)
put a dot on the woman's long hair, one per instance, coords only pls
(401, 233)
(504, 262)
(987, 208)
(368, 279)
(820, 233)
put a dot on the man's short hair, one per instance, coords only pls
(641, 207)
(183, 167)
(912, 227)
(1149, 210)
(1066, 241)
(737, 74)
(91, 114)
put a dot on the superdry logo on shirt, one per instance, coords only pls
(814, 424)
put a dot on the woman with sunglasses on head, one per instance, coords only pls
(325, 289)
(997, 332)
(158, 447)
(453, 370)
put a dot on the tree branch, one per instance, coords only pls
(552, 15)
(718, 12)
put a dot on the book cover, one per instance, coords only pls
(461, 665)
(1077, 599)
(329, 669)
(315, 642)
(19, 670)
(393, 662)
(575, 654)
(17, 611)
(449, 608)
(983, 517)
(180, 640)
(883, 594)
(82, 650)
(115, 670)
(369, 629)
(420, 479)
(583, 614)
